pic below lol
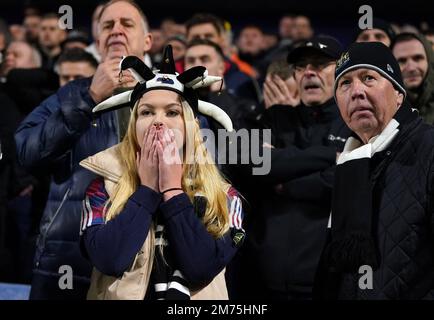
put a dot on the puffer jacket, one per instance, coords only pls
(56, 136)
(403, 207)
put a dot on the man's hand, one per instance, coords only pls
(106, 79)
(276, 92)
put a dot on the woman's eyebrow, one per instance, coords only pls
(146, 105)
(174, 104)
(169, 105)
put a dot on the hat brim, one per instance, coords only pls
(296, 54)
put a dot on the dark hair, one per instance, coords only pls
(288, 15)
(32, 15)
(4, 30)
(206, 42)
(179, 37)
(202, 18)
(250, 26)
(281, 68)
(50, 15)
(31, 10)
(428, 32)
(76, 35)
(77, 55)
(403, 37)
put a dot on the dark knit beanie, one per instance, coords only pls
(370, 55)
(382, 25)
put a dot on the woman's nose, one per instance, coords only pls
(158, 124)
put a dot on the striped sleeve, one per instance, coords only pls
(235, 209)
(94, 205)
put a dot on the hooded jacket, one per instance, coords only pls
(423, 97)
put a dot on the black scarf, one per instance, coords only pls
(352, 242)
(167, 282)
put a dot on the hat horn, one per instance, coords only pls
(167, 64)
(216, 113)
(114, 102)
(137, 67)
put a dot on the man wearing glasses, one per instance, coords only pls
(288, 229)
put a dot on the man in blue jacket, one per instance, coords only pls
(61, 132)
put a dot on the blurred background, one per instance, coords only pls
(335, 17)
(37, 58)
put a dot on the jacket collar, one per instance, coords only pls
(108, 158)
(325, 112)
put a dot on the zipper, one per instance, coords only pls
(43, 238)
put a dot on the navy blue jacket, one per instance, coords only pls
(112, 246)
(56, 136)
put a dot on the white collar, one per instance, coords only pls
(354, 149)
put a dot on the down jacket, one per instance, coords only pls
(402, 176)
(56, 136)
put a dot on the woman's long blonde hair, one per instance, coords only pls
(198, 176)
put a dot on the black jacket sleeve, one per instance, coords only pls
(316, 187)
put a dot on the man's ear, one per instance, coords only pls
(97, 42)
(63, 35)
(222, 68)
(148, 42)
(297, 83)
(400, 98)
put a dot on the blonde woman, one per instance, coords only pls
(158, 223)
